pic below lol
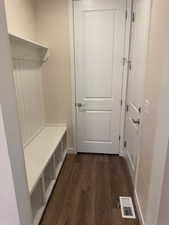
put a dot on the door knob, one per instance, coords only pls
(79, 105)
(136, 121)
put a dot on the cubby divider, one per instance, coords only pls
(37, 202)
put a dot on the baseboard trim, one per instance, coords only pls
(138, 207)
(122, 154)
(136, 199)
(71, 151)
(128, 161)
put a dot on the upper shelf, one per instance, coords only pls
(19, 44)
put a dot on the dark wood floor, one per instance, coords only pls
(87, 192)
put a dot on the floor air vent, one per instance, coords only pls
(127, 209)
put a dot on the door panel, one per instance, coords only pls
(102, 5)
(98, 42)
(97, 126)
(99, 45)
(135, 89)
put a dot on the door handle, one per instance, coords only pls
(136, 121)
(79, 105)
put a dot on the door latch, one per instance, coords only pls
(127, 108)
(79, 105)
(125, 144)
(129, 65)
(136, 121)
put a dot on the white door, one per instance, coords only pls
(135, 89)
(99, 46)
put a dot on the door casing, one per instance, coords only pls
(73, 76)
(144, 53)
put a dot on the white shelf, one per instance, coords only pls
(40, 151)
(27, 41)
(19, 44)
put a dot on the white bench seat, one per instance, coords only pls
(40, 151)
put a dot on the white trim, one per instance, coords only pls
(71, 151)
(33, 136)
(125, 74)
(73, 78)
(55, 125)
(130, 166)
(136, 199)
(138, 207)
(27, 41)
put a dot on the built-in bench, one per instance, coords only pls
(44, 157)
(44, 149)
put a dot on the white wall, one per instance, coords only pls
(160, 148)
(158, 70)
(21, 18)
(15, 206)
(47, 21)
(8, 211)
(155, 122)
(53, 31)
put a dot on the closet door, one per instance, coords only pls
(99, 46)
(135, 89)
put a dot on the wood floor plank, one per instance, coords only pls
(87, 192)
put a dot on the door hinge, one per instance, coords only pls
(125, 144)
(127, 108)
(129, 65)
(126, 14)
(121, 102)
(119, 138)
(133, 17)
(124, 61)
(140, 109)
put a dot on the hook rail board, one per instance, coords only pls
(27, 49)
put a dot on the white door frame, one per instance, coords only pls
(73, 77)
(125, 74)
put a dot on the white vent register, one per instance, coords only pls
(127, 208)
